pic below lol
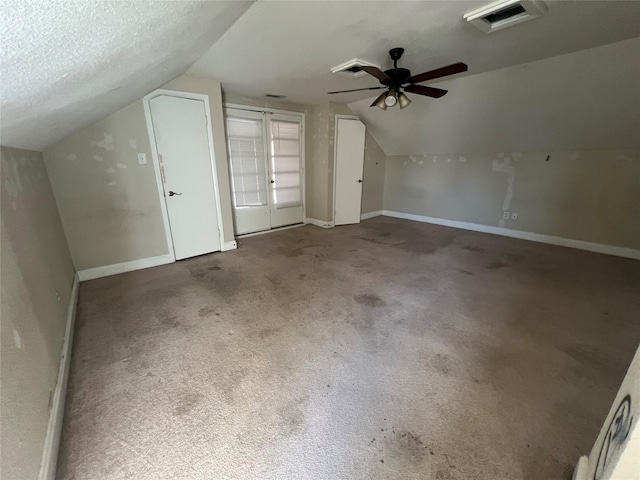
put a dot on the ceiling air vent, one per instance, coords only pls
(352, 68)
(505, 13)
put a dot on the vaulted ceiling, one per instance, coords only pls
(68, 64)
(288, 48)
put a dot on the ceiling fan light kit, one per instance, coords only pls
(391, 99)
(403, 100)
(395, 80)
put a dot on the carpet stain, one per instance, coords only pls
(442, 364)
(302, 276)
(369, 300)
(268, 332)
(198, 272)
(292, 416)
(205, 311)
(224, 285)
(409, 446)
(214, 268)
(425, 245)
(292, 252)
(466, 272)
(187, 402)
(497, 265)
(474, 249)
(169, 320)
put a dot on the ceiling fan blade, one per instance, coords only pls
(375, 102)
(356, 90)
(439, 72)
(427, 91)
(376, 72)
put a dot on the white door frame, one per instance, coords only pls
(303, 148)
(335, 157)
(156, 160)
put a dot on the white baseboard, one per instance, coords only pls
(56, 415)
(232, 245)
(534, 237)
(366, 216)
(319, 223)
(117, 268)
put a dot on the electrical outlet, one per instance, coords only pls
(505, 215)
(142, 158)
(514, 216)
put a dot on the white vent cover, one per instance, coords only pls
(352, 68)
(505, 13)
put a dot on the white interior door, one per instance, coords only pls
(247, 149)
(185, 155)
(285, 169)
(348, 170)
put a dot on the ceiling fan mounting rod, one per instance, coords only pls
(395, 54)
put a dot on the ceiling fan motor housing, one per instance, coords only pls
(397, 76)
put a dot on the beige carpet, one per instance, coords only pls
(385, 350)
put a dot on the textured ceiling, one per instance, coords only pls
(288, 48)
(67, 64)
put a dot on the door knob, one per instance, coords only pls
(171, 194)
(273, 181)
(359, 181)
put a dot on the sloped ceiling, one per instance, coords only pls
(288, 48)
(588, 100)
(68, 64)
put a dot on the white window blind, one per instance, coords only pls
(285, 157)
(246, 152)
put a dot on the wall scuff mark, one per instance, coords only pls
(505, 167)
(106, 142)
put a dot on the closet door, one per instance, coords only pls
(285, 169)
(182, 142)
(349, 159)
(247, 149)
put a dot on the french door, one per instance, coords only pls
(266, 164)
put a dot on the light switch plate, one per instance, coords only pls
(142, 158)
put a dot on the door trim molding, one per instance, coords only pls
(116, 268)
(335, 156)
(251, 108)
(232, 245)
(156, 161)
(320, 223)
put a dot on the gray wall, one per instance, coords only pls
(481, 150)
(37, 276)
(592, 195)
(375, 162)
(108, 202)
(317, 163)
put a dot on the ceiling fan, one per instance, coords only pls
(395, 80)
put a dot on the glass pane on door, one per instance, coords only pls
(285, 159)
(247, 161)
